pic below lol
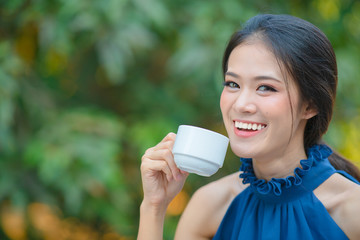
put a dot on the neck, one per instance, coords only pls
(280, 165)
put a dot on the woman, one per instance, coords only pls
(280, 74)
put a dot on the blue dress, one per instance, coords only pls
(283, 208)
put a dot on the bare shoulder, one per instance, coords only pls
(341, 197)
(222, 189)
(207, 207)
(348, 211)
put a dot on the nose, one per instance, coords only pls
(245, 102)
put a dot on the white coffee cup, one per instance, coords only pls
(198, 150)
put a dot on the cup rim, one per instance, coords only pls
(207, 130)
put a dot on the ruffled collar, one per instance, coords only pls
(276, 186)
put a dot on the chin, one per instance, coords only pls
(243, 152)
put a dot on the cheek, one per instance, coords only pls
(278, 108)
(225, 102)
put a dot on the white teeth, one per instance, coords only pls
(249, 126)
(238, 124)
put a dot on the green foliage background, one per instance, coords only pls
(87, 85)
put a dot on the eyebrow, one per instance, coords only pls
(261, 77)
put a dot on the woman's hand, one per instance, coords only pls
(162, 181)
(161, 178)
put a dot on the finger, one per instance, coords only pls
(166, 155)
(167, 142)
(149, 166)
(169, 137)
(155, 152)
(163, 145)
(163, 152)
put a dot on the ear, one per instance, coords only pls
(309, 111)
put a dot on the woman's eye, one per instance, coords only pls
(265, 88)
(231, 84)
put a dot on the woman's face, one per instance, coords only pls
(255, 104)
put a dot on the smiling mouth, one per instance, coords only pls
(249, 126)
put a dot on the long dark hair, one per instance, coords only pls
(308, 56)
